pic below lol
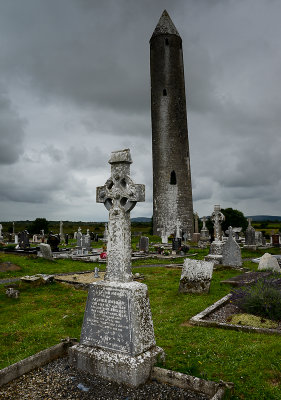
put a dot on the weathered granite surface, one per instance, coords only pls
(231, 252)
(196, 276)
(268, 262)
(46, 251)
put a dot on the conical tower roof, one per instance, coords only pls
(165, 26)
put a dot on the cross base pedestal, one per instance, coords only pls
(114, 366)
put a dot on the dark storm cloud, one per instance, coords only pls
(11, 132)
(78, 72)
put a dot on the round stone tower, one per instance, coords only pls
(172, 191)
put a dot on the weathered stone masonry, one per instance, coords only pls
(172, 191)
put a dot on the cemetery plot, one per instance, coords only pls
(254, 307)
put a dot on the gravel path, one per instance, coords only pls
(59, 380)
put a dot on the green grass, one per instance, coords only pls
(45, 314)
(38, 319)
(32, 265)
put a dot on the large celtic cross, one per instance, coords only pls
(119, 195)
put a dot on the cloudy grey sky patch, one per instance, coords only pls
(75, 85)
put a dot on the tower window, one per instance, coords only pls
(167, 42)
(173, 178)
(164, 92)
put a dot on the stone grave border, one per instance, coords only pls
(215, 390)
(199, 319)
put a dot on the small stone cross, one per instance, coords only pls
(119, 195)
(217, 217)
(204, 219)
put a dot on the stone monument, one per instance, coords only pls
(79, 238)
(144, 244)
(53, 241)
(24, 240)
(87, 240)
(269, 263)
(117, 339)
(1, 236)
(275, 240)
(217, 218)
(231, 252)
(205, 237)
(61, 232)
(196, 234)
(250, 236)
(216, 247)
(172, 190)
(196, 276)
(46, 251)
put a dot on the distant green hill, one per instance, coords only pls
(141, 219)
(259, 218)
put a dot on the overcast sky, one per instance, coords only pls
(75, 85)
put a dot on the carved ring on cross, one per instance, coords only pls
(119, 192)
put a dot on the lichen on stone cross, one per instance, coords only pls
(217, 217)
(119, 195)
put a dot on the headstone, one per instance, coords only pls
(75, 236)
(1, 236)
(96, 272)
(205, 237)
(144, 244)
(217, 218)
(231, 252)
(66, 238)
(258, 238)
(79, 238)
(117, 338)
(275, 240)
(268, 262)
(53, 241)
(16, 239)
(46, 251)
(196, 276)
(176, 244)
(61, 232)
(250, 237)
(87, 241)
(24, 240)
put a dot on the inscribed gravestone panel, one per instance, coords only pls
(107, 322)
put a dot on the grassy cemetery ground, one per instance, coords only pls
(45, 314)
